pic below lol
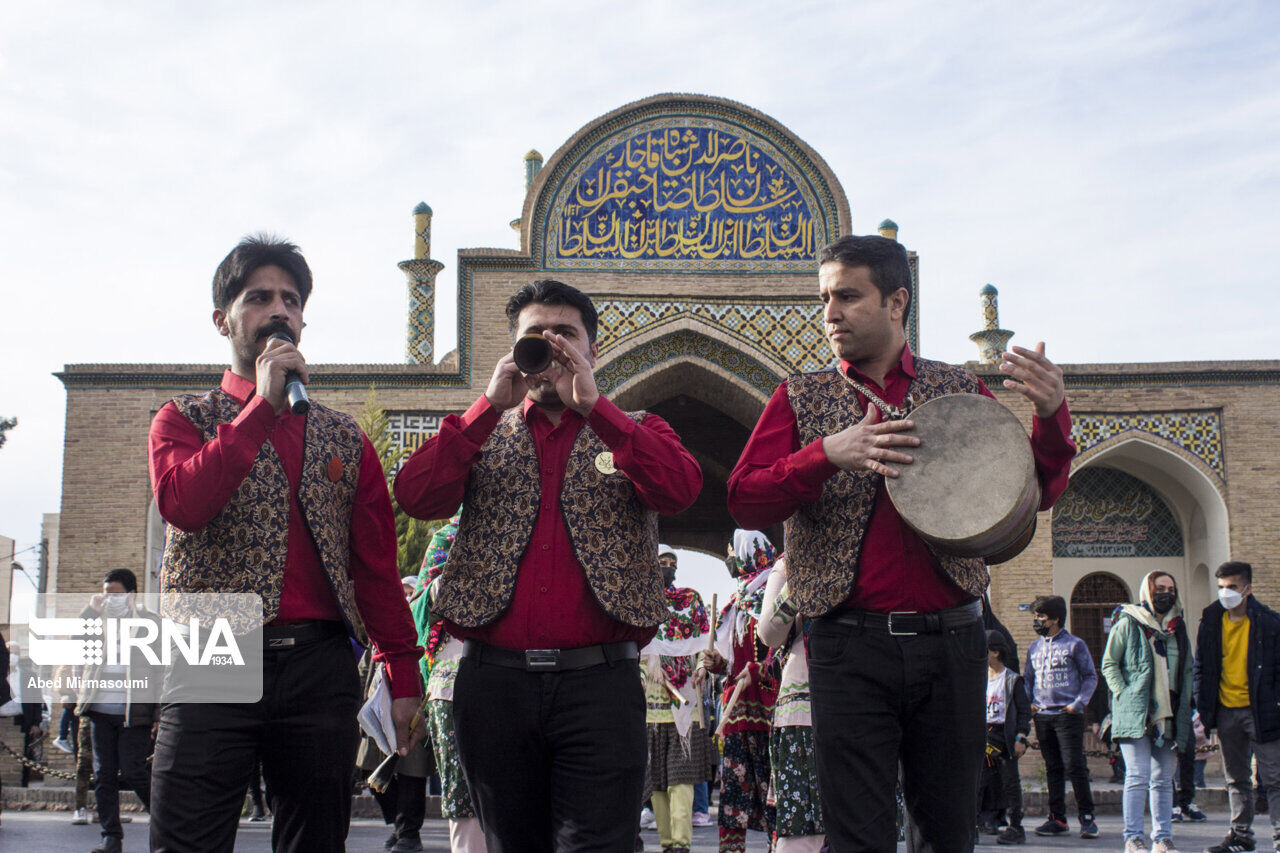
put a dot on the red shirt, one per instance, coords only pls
(553, 606)
(193, 480)
(896, 572)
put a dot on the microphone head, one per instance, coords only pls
(282, 335)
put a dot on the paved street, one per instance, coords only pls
(52, 832)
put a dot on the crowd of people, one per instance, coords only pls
(546, 665)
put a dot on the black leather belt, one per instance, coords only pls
(909, 623)
(299, 634)
(549, 660)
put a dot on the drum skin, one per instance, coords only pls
(972, 489)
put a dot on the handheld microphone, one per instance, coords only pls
(294, 390)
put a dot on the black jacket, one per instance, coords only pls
(1263, 667)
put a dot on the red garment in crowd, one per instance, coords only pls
(896, 572)
(193, 480)
(553, 606)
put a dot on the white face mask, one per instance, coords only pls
(1229, 598)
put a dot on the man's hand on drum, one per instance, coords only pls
(870, 446)
(1034, 377)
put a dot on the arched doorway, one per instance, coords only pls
(1093, 601)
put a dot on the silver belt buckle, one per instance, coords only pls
(542, 659)
(893, 633)
(281, 642)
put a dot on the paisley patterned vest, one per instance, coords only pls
(824, 539)
(614, 537)
(243, 548)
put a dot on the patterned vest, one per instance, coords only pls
(614, 537)
(243, 548)
(824, 539)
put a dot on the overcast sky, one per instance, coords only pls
(1112, 168)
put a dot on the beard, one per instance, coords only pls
(543, 393)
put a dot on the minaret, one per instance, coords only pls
(992, 340)
(421, 273)
(532, 166)
(889, 229)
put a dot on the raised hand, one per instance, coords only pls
(1035, 377)
(575, 381)
(508, 385)
(868, 445)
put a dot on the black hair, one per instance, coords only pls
(1053, 606)
(885, 259)
(124, 577)
(997, 643)
(1235, 569)
(251, 253)
(547, 291)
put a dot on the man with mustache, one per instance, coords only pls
(552, 582)
(293, 508)
(907, 688)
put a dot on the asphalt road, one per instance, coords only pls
(52, 832)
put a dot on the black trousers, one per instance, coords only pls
(303, 729)
(880, 699)
(119, 755)
(1000, 775)
(404, 804)
(1186, 789)
(1061, 739)
(554, 760)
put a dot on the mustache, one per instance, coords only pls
(273, 327)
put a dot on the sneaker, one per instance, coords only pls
(1012, 835)
(1233, 843)
(702, 819)
(64, 745)
(1053, 826)
(1192, 812)
(391, 842)
(1135, 845)
(1164, 846)
(987, 827)
(259, 815)
(1088, 827)
(647, 820)
(80, 817)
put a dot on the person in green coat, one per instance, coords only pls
(1147, 666)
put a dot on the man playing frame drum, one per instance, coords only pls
(897, 650)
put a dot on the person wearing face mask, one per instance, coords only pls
(679, 748)
(121, 717)
(1148, 668)
(1060, 679)
(1237, 679)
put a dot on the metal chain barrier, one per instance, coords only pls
(38, 766)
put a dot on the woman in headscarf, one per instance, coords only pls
(1147, 666)
(791, 754)
(749, 696)
(439, 669)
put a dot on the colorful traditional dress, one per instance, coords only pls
(679, 746)
(791, 752)
(750, 693)
(439, 669)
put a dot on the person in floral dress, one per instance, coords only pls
(439, 668)
(679, 746)
(791, 755)
(750, 692)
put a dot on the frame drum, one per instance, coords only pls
(972, 489)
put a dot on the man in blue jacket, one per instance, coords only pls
(1237, 684)
(1060, 679)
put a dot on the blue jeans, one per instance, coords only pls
(1149, 775)
(701, 798)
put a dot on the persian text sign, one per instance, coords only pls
(1108, 513)
(685, 193)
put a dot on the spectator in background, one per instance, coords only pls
(1060, 679)
(1147, 665)
(1237, 686)
(1008, 722)
(1189, 762)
